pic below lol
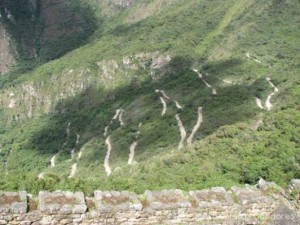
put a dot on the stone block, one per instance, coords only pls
(167, 199)
(13, 202)
(295, 184)
(249, 195)
(113, 201)
(60, 202)
(212, 197)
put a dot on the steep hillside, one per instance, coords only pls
(167, 94)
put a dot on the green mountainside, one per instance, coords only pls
(238, 60)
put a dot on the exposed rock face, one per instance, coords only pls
(6, 58)
(243, 205)
(31, 99)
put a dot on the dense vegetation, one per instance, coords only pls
(212, 36)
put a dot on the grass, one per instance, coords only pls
(237, 9)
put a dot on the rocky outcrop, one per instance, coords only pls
(238, 205)
(34, 98)
(6, 58)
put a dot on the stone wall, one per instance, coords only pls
(267, 204)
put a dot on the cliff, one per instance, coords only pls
(6, 58)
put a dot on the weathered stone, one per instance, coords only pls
(13, 202)
(116, 201)
(62, 202)
(212, 197)
(295, 184)
(284, 216)
(213, 206)
(26, 223)
(250, 196)
(167, 200)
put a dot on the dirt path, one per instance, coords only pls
(253, 58)
(214, 91)
(228, 81)
(106, 160)
(164, 103)
(132, 152)
(80, 154)
(182, 132)
(105, 131)
(41, 176)
(163, 98)
(118, 115)
(259, 103)
(164, 94)
(177, 105)
(133, 146)
(52, 161)
(196, 127)
(73, 170)
(269, 105)
(121, 118)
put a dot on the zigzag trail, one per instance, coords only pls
(133, 146)
(121, 118)
(73, 171)
(196, 127)
(118, 115)
(74, 166)
(182, 132)
(163, 98)
(214, 91)
(269, 105)
(163, 101)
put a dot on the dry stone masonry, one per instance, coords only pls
(266, 204)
